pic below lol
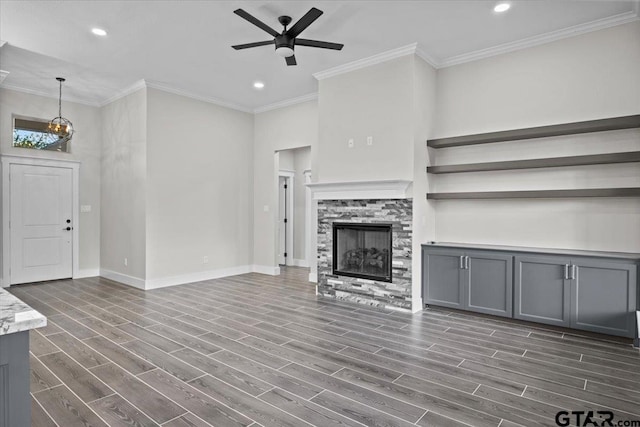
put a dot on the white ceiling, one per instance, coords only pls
(184, 46)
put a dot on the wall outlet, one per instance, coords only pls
(205, 259)
(369, 140)
(350, 143)
(126, 262)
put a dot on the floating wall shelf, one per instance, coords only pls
(594, 159)
(538, 194)
(614, 123)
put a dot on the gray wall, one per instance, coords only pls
(285, 128)
(124, 180)
(199, 186)
(591, 76)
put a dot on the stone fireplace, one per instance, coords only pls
(364, 242)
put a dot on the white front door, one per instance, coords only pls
(41, 221)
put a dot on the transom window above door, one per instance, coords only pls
(33, 133)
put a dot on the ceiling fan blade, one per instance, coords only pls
(291, 60)
(255, 21)
(256, 44)
(317, 43)
(304, 22)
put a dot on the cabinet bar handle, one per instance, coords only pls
(461, 262)
(466, 262)
(566, 272)
(574, 271)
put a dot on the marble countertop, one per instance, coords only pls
(16, 316)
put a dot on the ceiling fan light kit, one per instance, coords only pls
(286, 41)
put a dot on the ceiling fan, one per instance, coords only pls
(286, 41)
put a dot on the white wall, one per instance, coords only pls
(375, 101)
(424, 100)
(591, 76)
(124, 180)
(199, 187)
(285, 128)
(302, 162)
(85, 148)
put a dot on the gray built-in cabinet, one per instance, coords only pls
(591, 291)
(480, 281)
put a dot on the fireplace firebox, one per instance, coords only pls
(362, 250)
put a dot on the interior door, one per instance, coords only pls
(41, 223)
(282, 220)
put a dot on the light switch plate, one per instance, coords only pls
(85, 208)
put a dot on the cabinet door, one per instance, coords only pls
(489, 283)
(442, 277)
(603, 296)
(541, 292)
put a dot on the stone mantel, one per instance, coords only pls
(359, 190)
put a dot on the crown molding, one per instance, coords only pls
(65, 98)
(286, 103)
(576, 30)
(140, 84)
(421, 53)
(367, 62)
(155, 85)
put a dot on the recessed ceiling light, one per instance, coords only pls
(501, 7)
(258, 85)
(99, 32)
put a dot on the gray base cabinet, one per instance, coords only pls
(15, 400)
(443, 278)
(542, 292)
(489, 283)
(472, 280)
(603, 296)
(591, 293)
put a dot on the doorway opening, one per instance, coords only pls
(292, 218)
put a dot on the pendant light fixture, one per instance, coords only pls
(60, 129)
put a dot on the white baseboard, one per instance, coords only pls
(163, 282)
(313, 277)
(136, 282)
(417, 304)
(266, 269)
(87, 272)
(300, 262)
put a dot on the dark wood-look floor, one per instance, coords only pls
(257, 350)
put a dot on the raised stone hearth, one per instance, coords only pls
(398, 212)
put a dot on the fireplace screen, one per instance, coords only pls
(362, 250)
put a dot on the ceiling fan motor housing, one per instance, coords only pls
(284, 41)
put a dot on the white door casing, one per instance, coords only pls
(285, 210)
(38, 197)
(282, 213)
